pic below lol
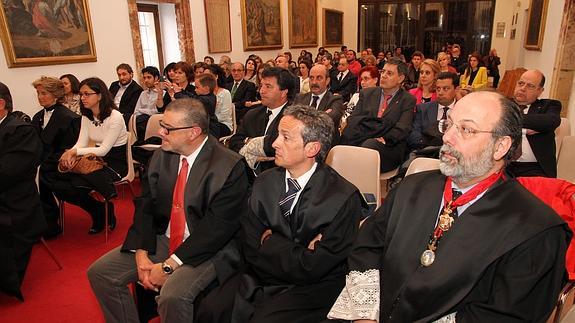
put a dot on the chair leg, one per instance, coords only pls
(51, 254)
(62, 207)
(106, 219)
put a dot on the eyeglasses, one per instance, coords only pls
(529, 86)
(464, 131)
(167, 129)
(87, 94)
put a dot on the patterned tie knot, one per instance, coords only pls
(314, 100)
(456, 193)
(287, 200)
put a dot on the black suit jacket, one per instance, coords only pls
(215, 199)
(245, 92)
(129, 98)
(544, 116)
(329, 101)
(485, 268)
(21, 219)
(254, 125)
(425, 129)
(346, 87)
(60, 134)
(394, 125)
(328, 204)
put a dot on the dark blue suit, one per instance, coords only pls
(425, 131)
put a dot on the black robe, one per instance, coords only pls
(503, 259)
(284, 281)
(21, 220)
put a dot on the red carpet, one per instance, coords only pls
(53, 295)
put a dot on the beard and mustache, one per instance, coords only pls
(463, 169)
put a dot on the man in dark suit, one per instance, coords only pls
(413, 70)
(321, 99)
(302, 221)
(185, 221)
(241, 90)
(59, 128)
(126, 91)
(21, 220)
(428, 116)
(276, 87)
(383, 116)
(468, 244)
(540, 119)
(345, 82)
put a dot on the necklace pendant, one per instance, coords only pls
(427, 258)
(445, 222)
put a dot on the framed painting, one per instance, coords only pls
(218, 25)
(261, 24)
(332, 28)
(536, 19)
(39, 32)
(302, 23)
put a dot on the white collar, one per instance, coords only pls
(304, 178)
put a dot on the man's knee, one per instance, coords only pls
(371, 143)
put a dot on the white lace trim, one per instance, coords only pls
(359, 299)
(449, 318)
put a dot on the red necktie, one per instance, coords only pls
(178, 216)
(383, 105)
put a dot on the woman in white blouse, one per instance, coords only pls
(103, 125)
(224, 103)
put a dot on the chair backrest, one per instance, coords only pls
(358, 165)
(153, 125)
(563, 130)
(422, 164)
(565, 164)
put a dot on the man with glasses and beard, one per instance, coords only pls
(466, 243)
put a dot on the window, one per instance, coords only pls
(150, 34)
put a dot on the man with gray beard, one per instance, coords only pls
(465, 244)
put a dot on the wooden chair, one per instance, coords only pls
(358, 165)
(563, 130)
(564, 304)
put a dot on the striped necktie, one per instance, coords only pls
(286, 200)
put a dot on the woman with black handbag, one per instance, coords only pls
(103, 125)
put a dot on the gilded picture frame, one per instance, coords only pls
(536, 19)
(36, 32)
(332, 28)
(261, 24)
(302, 23)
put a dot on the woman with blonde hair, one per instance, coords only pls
(444, 60)
(425, 90)
(475, 76)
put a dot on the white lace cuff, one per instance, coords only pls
(449, 318)
(359, 299)
(252, 150)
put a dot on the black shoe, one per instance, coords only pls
(111, 221)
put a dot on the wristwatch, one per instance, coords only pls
(167, 268)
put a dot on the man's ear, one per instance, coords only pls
(311, 149)
(502, 146)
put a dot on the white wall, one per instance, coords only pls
(512, 52)
(349, 8)
(113, 46)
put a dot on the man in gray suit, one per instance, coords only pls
(383, 116)
(185, 221)
(322, 99)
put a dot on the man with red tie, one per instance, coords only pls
(185, 221)
(383, 116)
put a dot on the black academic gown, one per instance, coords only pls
(502, 261)
(283, 280)
(21, 220)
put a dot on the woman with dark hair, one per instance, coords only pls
(71, 92)
(103, 125)
(251, 70)
(224, 103)
(169, 71)
(475, 76)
